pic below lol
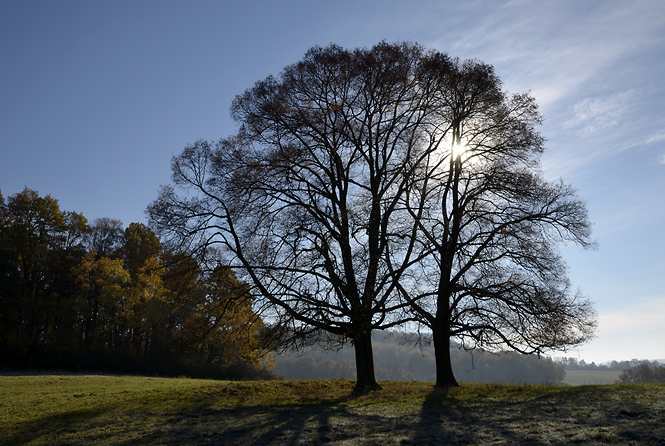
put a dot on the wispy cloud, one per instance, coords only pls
(557, 49)
(655, 138)
(594, 114)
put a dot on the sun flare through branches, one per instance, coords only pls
(459, 150)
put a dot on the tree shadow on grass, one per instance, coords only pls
(202, 423)
(448, 420)
(52, 428)
(294, 424)
(582, 417)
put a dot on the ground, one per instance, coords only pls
(151, 411)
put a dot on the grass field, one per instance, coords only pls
(109, 410)
(579, 377)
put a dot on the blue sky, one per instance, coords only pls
(95, 98)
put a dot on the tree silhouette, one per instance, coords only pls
(304, 199)
(373, 187)
(489, 225)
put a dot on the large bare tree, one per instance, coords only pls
(305, 199)
(491, 226)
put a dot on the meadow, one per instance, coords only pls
(581, 377)
(113, 410)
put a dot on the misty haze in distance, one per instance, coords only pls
(397, 360)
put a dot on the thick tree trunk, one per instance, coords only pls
(366, 380)
(445, 378)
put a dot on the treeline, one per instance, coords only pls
(80, 296)
(396, 362)
(643, 373)
(574, 364)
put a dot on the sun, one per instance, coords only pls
(459, 150)
(465, 152)
(455, 147)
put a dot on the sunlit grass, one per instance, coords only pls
(109, 410)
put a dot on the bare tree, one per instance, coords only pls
(491, 224)
(106, 236)
(305, 198)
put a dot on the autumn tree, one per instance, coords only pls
(36, 238)
(145, 303)
(489, 225)
(107, 298)
(223, 328)
(100, 303)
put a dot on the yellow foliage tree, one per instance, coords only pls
(224, 328)
(100, 304)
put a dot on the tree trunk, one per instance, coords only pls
(366, 381)
(445, 378)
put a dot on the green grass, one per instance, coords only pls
(109, 410)
(579, 377)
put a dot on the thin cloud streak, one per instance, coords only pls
(655, 138)
(543, 48)
(595, 114)
(578, 64)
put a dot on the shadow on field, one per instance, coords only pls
(583, 417)
(203, 424)
(279, 425)
(51, 429)
(567, 417)
(445, 420)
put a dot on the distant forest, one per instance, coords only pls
(644, 372)
(574, 364)
(400, 361)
